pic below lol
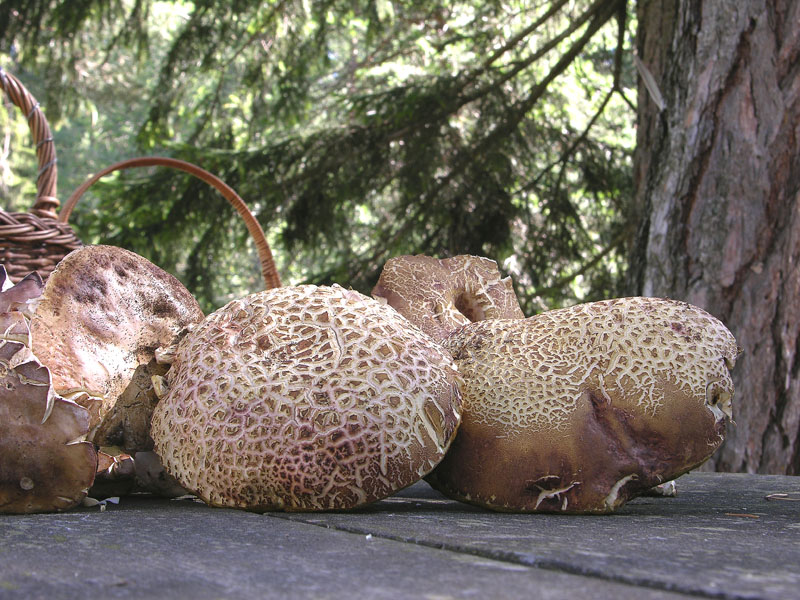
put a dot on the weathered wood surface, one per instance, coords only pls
(720, 538)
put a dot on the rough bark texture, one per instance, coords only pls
(718, 180)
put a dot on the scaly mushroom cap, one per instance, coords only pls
(44, 464)
(103, 313)
(439, 296)
(580, 409)
(305, 398)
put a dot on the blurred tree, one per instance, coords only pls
(354, 130)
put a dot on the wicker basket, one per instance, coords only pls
(268, 270)
(37, 240)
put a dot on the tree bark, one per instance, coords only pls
(718, 199)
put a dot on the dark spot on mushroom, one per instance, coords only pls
(161, 307)
(597, 400)
(91, 290)
(116, 436)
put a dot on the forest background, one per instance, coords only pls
(593, 149)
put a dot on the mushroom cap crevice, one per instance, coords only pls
(305, 398)
(122, 474)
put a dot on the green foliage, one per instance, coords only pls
(355, 131)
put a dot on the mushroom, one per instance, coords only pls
(45, 464)
(439, 296)
(152, 477)
(120, 474)
(17, 297)
(578, 409)
(305, 398)
(103, 313)
(16, 305)
(116, 474)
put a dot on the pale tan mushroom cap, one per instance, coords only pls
(305, 398)
(578, 409)
(439, 296)
(44, 463)
(103, 313)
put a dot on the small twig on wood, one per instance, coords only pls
(791, 497)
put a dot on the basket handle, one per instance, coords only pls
(47, 203)
(268, 270)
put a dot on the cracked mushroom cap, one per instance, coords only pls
(439, 296)
(44, 463)
(580, 409)
(305, 398)
(103, 313)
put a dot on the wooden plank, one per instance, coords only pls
(721, 537)
(147, 548)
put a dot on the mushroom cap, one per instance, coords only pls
(439, 296)
(44, 464)
(103, 313)
(18, 297)
(305, 398)
(582, 408)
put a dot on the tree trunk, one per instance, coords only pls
(718, 199)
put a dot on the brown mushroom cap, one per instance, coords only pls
(305, 398)
(580, 409)
(44, 464)
(17, 297)
(103, 313)
(439, 296)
